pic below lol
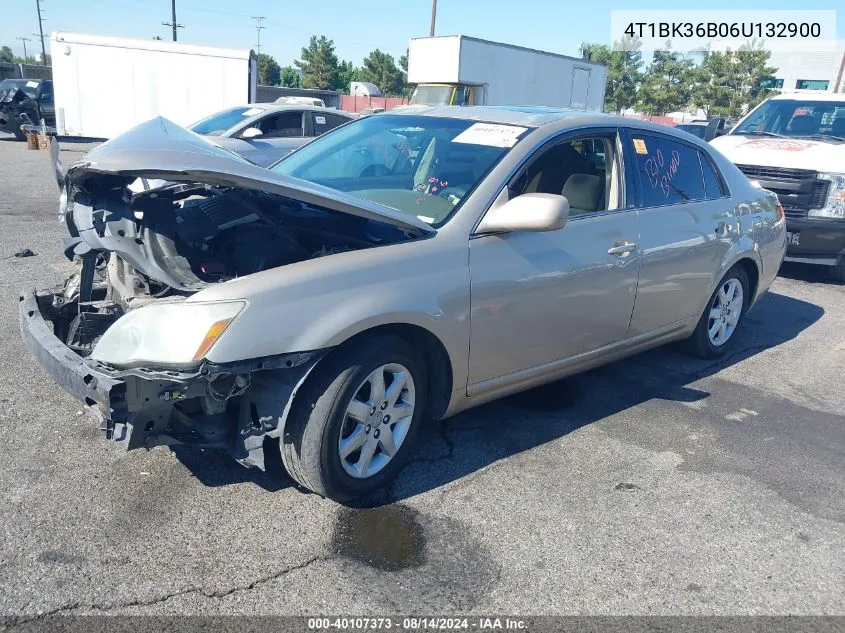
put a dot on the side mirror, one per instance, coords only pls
(251, 132)
(528, 212)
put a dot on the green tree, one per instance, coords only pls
(403, 61)
(6, 54)
(624, 76)
(290, 78)
(269, 71)
(380, 69)
(730, 83)
(319, 64)
(668, 83)
(347, 73)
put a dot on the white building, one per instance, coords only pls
(801, 68)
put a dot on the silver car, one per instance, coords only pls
(400, 268)
(265, 132)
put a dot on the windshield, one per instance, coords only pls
(28, 86)
(795, 118)
(432, 95)
(218, 123)
(421, 166)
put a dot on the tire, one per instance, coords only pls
(701, 343)
(320, 419)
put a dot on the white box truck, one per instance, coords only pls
(461, 70)
(106, 85)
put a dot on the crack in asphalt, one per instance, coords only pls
(77, 605)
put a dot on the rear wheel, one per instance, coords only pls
(722, 316)
(355, 419)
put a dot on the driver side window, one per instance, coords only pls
(282, 125)
(585, 170)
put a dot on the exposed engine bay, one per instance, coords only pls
(140, 243)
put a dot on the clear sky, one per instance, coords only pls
(356, 26)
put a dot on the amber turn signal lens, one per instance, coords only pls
(213, 334)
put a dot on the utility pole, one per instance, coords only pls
(24, 40)
(41, 33)
(258, 27)
(433, 16)
(173, 22)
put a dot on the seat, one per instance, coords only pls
(838, 127)
(804, 125)
(585, 192)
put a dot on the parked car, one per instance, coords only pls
(26, 101)
(704, 128)
(265, 132)
(794, 144)
(399, 268)
(372, 110)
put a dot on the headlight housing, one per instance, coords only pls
(173, 334)
(834, 206)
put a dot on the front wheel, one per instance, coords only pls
(355, 419)
(722, 316)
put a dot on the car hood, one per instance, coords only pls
(792, 153)
(162, 150)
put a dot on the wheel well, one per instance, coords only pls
(438, 365)
(753, 273)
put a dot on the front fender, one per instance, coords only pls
(323, 302)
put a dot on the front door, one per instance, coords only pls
(541, 297)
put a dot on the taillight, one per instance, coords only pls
(779, 210)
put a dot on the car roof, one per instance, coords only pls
(528, 116)
(809, 95)
(281, 107)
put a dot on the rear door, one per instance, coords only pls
(686, 228)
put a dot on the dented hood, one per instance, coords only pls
(161, 149)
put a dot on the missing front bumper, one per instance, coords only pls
(142, 408)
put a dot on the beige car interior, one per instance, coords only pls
(584, 170)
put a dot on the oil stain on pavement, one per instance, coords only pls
(429, 560)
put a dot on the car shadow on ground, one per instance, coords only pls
(808, 273)
(454, 448)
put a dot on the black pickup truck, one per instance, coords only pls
(26, 101)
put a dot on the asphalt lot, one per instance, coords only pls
(657, 485)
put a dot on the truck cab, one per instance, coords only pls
(794, 144)
(447, 94)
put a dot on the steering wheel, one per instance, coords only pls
(458, 192)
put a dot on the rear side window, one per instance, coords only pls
(713, 187)
(325, 122)
(669, 171)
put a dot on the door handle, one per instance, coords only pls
(621, 249)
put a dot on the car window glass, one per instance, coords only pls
(325, 122)
(584, 170)
(218, 123)
(282, 124)
(669, 172)
(713, 187)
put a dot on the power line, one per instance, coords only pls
(41, 32)
(173, 22)
(24, 40)
(258, 19)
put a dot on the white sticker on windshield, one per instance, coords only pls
(320, 120)
(252, 111)
(490, 134)
(31, 84)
